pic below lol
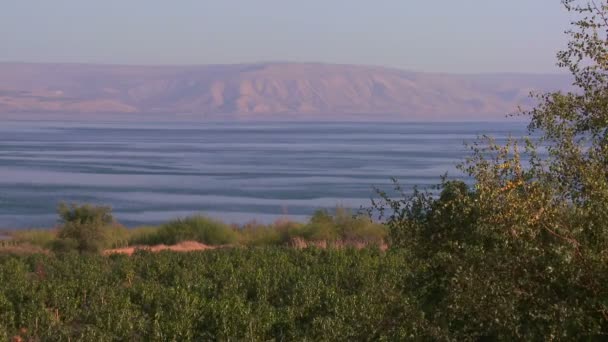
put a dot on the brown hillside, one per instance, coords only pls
(259, 91)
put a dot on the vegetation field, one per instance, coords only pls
(238, 294)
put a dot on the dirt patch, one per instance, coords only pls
(186, 246)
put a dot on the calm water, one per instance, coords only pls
(156, 171)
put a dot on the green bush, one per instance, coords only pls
(256, 234)
(522, 254)
(288, 230)
(194, 228)
(321, 227)
(357, 228)
(84, 228)
(342, 227)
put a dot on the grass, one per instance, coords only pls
(42, 238)
(117, 236)
(141, 233)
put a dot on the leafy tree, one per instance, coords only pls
(83, 227)
(523, 252)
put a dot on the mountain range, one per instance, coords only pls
(283, 91)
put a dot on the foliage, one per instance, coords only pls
(339, 229)
(343, 226)
(523, 251)
(258, 234)
(116, 236)
(141, 233)
(84, 228)
(225, 294)
(194, 228)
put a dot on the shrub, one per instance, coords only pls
(287, 230)
(194, 228)
(358, 228)
(83, 227)
(321, 227)
(256, 234)
(523, 253)
(343, 226)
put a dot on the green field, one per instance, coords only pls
(238, 294)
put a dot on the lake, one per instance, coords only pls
(152, 172)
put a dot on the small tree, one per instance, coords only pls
(83, 227)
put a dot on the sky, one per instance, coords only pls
(466, 36)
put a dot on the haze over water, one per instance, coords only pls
(152, 172)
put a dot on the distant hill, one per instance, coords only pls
(286, 91)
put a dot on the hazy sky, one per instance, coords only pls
(428, 35)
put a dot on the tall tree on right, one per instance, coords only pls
(522, 253)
